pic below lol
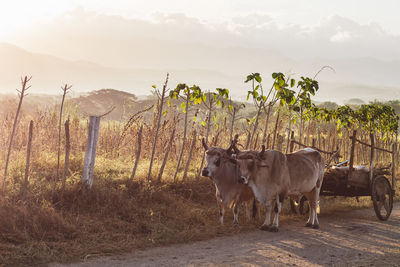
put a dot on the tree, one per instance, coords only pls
(21, 94)
(259, 100)
(190, 96)
(159, 114)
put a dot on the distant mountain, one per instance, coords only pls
(49, 73)
(363, 78)
(102, 101)
(96, 103)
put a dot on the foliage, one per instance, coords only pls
(193, 95)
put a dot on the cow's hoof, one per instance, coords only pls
(315, 226)
(235, 224)
(264, 227)
(274, 229)
(308, 224)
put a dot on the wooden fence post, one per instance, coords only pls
(275, 130)
(291, 142)
(137, 153)
(189, 156)
(353, 144)
(394, 153)
(91, 147)
(371, 160)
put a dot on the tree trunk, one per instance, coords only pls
(21, 97)
(319, 134)
(301, 126)
(166, 155)
(184, 139)
(275, 130)
(207, 133)
(289, 131)
(255, 128)
(189, 156)
(28, 157)
(256, 141)
(232, 125)
(65, 89)
(139, 149)
(67, 152)
(158, 127)
(266, 125)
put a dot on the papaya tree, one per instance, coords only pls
(189, 96)
(161, 97)
(285, 96)
(307, 87)
(259, 100)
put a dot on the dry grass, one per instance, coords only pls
(116, 216)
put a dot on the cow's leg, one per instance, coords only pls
(267, 222)
(277, 209)
(235, 214)
(221, 207)
(309, 222)
(315, 224)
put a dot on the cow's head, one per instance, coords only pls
(215, 157)
(249, 163)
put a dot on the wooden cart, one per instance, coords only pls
(356, 181)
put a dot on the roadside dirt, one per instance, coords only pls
(345, 239)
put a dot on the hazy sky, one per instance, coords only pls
(360, 39)
(16, 13)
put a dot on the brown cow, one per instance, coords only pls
(223, 170)
(273, 175)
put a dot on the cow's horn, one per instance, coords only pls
(204, 144)
(235, 141)
(261, 154)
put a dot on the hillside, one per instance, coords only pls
(364, 78)
(93, 103)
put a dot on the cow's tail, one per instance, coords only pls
(254, 214)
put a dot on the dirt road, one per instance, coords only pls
(345, 239)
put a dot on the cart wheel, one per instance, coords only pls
(382, 197)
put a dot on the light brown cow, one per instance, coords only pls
(273, 175)
(223, 170)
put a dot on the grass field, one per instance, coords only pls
(117, 216)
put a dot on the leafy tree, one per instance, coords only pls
(190, 96)
(259, 100)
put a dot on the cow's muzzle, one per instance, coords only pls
(205, 173)
(243, 180)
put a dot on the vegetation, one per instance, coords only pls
(42, 222)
